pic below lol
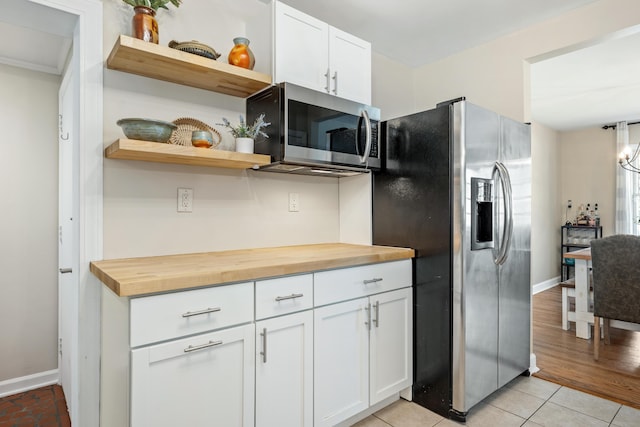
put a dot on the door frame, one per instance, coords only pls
(87, 62)
(67, 242)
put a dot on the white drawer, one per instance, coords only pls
(355, 282)
(163, 317)
(283, 295)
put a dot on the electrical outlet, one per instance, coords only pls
(185, 199)
(294, 202)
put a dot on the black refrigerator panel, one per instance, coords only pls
(412, 208)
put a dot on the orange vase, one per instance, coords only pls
(241, 55)
(144, 25)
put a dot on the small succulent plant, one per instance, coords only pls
(243, 130)
(153, 4)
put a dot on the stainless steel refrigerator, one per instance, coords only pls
(455, 185)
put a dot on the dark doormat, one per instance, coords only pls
(41, 407)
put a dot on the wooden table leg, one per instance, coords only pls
(583, 316)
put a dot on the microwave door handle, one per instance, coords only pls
(367, 149)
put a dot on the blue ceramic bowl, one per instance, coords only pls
(147, 129)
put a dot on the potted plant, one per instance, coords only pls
(244, 134)
(144, 25)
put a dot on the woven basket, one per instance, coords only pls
(186, 125)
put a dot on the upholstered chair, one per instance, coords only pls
(616, 282)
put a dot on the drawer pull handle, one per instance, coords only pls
(197, 313)
(292, 296)
(374, 280)
(202, 346)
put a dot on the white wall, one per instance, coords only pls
(545, 196)
(29, 247)
(392, 87)
(588, 173)
(495, 75)
(231, 209)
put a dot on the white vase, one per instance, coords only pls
(244, 145)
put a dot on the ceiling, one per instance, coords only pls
(589, 87)
(417, 32)
(35, 36)
(593, 86)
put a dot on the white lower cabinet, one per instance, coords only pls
(204, 380)
(341, 362)
(284, 371)
(362, 354)
(391, 344)
(294, 351)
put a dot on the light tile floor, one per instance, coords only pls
(525, 401)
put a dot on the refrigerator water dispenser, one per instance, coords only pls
(481, 214)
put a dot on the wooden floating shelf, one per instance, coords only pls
(131, 149)
(146, 59)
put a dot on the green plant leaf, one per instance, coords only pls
(242, 130)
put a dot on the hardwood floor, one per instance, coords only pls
(567, 360)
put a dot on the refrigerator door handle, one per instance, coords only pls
(505, 244)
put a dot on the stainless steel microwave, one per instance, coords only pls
(314, 133)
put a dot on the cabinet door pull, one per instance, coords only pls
(376, 320)
(263, 334)
(205, 311)
(335, 83)
(202, 346)
(66, 270)
(374, 280)
(292, 296)
(367, 322)
(328, 85)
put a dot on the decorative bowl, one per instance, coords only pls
(147, 129)
(196, 48)
(201, 138)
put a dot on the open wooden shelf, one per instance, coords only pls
(131, 149)
(136, 56)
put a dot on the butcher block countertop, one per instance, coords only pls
(147, 275)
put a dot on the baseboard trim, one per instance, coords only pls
(28, 382)
(547, 284)
(533, 367)
(369, 411)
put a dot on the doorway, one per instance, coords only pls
(81, 21)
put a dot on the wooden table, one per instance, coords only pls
(584, 318)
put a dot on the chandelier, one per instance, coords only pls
(628, 161)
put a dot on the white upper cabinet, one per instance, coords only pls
(301, 48)
(350, 65)
(311, 53)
